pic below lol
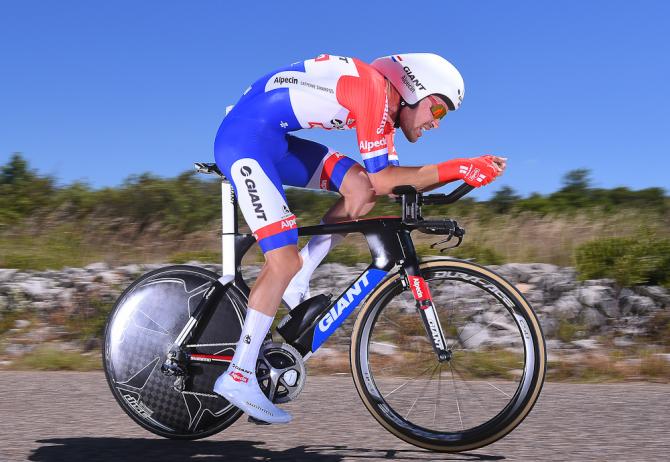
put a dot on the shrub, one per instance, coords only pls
(643, 259)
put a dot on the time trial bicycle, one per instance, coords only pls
(445, 354)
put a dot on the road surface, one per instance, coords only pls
(69, 417)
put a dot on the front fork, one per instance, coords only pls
(426, 308)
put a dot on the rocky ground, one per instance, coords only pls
(584, 321)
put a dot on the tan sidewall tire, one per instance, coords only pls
(533, 323)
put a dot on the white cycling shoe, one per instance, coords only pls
(243, 391)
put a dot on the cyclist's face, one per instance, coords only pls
(414, 120)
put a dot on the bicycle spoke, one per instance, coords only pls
(407, 382)
(480, 330)
(479, 400)
(390, 321)
(422, 390)
(490, 384)
(439, 393)
(458, 406)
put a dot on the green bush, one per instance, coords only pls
(641, 259)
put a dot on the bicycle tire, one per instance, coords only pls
(369, 376)
(141, 328)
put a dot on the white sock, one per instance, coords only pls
(312, 255)
(239, 384)
(256, 326)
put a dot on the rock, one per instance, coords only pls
(554, 344)
(21, 323)
(38, 288)
(95, 267)
(600, 297)
(473, 335)
(524, 288)
(554, 284)
(637, 304)
(549, 326)
(592, 318)
(623, 342)
(110, 277)
(658, 294)
(6, 274)
(599, 282)
(45, 334)
(130, 271)
(586, 344)
(17, 349)
(568, 307)
(524, 272)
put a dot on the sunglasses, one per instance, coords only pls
(438, 109)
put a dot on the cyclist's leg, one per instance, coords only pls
(311, 165)
(263, 203)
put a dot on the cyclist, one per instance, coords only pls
(257, 153)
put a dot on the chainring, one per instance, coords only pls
(280, 372)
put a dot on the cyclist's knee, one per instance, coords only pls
(284, 260)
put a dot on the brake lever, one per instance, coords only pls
(435, 244)
(460, 239)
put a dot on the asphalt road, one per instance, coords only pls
(61, 416)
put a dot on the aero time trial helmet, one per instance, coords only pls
(417, 75)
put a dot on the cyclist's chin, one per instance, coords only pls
(410, 135)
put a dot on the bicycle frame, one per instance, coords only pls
(391, 247)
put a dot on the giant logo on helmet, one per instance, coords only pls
(410, 80)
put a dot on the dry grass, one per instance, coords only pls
(533, 238)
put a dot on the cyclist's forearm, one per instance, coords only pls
(422, 178)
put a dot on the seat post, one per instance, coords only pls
(229, 228)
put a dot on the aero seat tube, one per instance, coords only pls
(229, 228)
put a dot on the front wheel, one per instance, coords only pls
(494, 371)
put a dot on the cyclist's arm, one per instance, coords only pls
(476, 171)
(422, 178)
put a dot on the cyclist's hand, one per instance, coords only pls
(475, 171)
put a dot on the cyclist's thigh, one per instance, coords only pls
(308, 164)
(245, 156)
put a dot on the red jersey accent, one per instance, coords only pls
(276, 228)
(328, 167)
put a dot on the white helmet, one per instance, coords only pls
(417, 75)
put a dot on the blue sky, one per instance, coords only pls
(97, 91)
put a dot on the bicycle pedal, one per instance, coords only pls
(257, 421)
